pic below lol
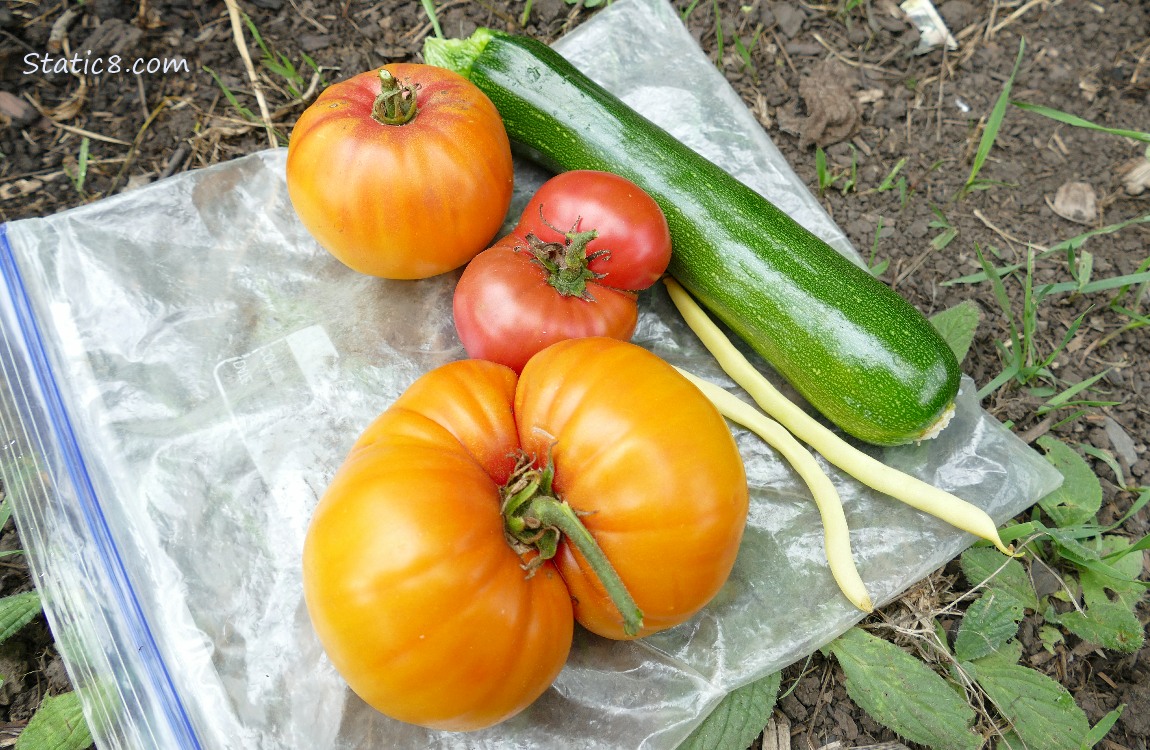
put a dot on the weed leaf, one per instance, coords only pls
(1009, 741)
(1042, 712)
(1001, 573)
(738, 719)
(1080, 496)
(1103, 727)
(1108, 624)
(994, 122)
(1078, 122)
(903, 693)
(957, 326)
(57, 725)
(1108, 617)
(16, 611)
(990, 621)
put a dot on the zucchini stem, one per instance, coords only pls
(836, 534)
(870, 471)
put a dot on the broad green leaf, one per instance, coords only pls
(903, 693)
(1050, 637)
(57, 725)
(990, 621)
(5, 512)
(1009, 741)
(1041, 711)
(1080, 496)
(16, 611)
(1109, 616)
(957, 326)
(1010, 653)
(1001, 573)
(1108, 624)
(738, 719)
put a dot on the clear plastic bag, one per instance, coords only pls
(185, 369)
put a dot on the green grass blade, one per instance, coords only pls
(429, 8)
(1000, 380)
(1000, 295)
(821, 169)
(247, 113)
(82, 164)
(888, 181)
(1076, 242)
(994, 122)
(718, 35)
(1099, 285)
(1063, 398)
(1078, 122)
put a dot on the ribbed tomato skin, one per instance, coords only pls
(401, 201)
(418, 600)
(414, 591)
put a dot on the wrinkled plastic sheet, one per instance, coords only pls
(186, 368)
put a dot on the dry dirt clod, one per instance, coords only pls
(777, 735)
(15, 111)
(832, 107)
(789, 18)
(1135, 175)
(1077, 202)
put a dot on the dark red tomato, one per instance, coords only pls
(506, 310)
(632, 231)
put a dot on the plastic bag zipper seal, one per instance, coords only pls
(63, 435)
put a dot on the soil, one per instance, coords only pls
(816, 76)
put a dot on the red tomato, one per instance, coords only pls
(401, 201)
(632, 230)
(506, 311)
(414, 559)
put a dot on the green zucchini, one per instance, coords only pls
(862, 355)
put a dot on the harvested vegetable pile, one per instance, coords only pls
(897, 167)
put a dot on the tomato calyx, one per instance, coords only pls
(567, 263)
(395, 103)
(535, 520)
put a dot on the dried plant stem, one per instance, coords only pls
(242, 47)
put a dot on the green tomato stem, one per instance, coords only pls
(567, 263)
(550, 513)
(395, 104)
(536, 520)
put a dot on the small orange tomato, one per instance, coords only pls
(402, 172)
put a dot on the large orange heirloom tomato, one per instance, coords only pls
(483, 513)
(402, 172)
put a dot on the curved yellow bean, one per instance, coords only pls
(836, 535)
(871, 472)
